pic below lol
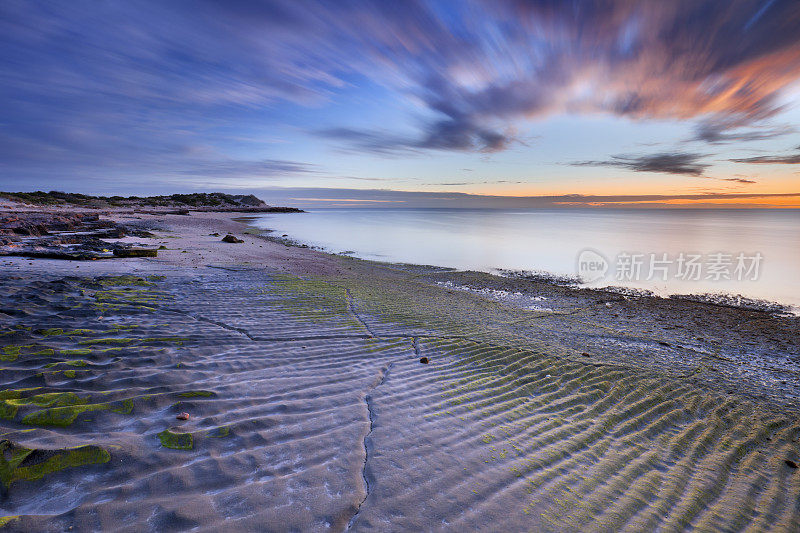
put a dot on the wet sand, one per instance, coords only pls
(540, 408)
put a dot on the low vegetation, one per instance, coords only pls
(214, 199)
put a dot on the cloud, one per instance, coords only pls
(450, 134)
(267, 168)
(791, 159)
(389, 198)
(739, 180)
(112, 84)
(666, 163)
(720, 131)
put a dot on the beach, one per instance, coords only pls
(324, 392)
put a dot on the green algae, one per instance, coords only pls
(219, 433)
(13, 351)
(5, 520)
(124, 327)
(61, 416)
(18, 463)
(109, 340)
(125, 408)
(50, 399)
(15, 393)
(78, 332)
(74, 362)
(196, 393)
(176, 441)
(7, 411)
(127, 279)
(69, 373)
(76, 351)
(131, 340)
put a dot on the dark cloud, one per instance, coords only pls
(449, 134)
(727, 131)
(791, 159)
(739, 180)
(667, 163)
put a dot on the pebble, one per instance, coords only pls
(423, 360)
(183, 416)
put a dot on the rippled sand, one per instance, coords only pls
(310, 410)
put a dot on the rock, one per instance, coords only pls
(215, 234)
(136, 252)
(423, 360)
(183, 416)
(790, 463)
(232, 239)
(585, 354)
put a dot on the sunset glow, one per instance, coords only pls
(510, 98)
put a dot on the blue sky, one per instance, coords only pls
(499, 98)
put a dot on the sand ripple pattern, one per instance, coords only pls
(311, 411)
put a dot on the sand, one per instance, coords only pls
(310, 410)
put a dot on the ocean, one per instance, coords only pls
(754, 253)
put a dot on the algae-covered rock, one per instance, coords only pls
(176, 441)
(231, 238)
(136, 252)
(20, 463)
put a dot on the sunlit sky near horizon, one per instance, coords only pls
(315, 102)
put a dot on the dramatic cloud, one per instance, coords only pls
(107, 84)
(667, 163)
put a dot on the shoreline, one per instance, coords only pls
(309, 407)
(719, 298)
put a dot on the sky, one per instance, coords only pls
(406, 103)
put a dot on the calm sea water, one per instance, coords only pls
(726, 244)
